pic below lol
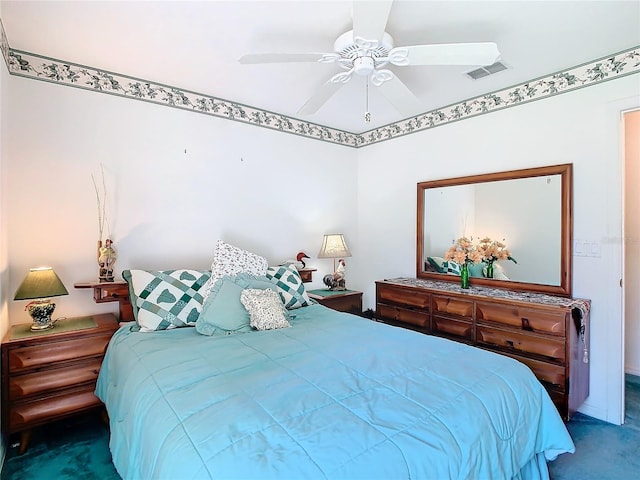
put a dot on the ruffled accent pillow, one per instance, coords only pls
(265, 309)
(229, 260)
(290, 286)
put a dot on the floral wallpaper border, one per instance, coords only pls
(38, 67)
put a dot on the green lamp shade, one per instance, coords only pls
(40, 283)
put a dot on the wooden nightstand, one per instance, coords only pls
(349, 301)
(52, 374)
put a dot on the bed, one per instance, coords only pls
(331, 396)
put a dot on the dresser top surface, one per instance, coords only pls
(478, 291)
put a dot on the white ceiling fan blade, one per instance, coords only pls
(325, 92)
(483, 53)
(281, 57)
(370, 18)
(399, 95)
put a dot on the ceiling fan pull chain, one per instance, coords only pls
(367, 115)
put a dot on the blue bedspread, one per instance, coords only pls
(333, 396)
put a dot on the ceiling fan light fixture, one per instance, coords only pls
(364, 65)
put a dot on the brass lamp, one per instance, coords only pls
(334, 246)
(39, 285)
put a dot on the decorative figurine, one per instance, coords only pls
(336, 280)
(106, 259)
(298, 262)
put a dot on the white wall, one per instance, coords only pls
(579, 128)
(177, 182)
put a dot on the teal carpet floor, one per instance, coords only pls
(78, 449)
(73, 449)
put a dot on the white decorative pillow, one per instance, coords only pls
(290, 286)
(229, 261)
(265, 309)
(167, 299)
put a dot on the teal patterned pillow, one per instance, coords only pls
(167, 299)
(452, 267)
(290, 286)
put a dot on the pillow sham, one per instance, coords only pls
(435, 264)
(290, 286)
(265, 309)
(222, 312)
(230, 260)
(452, 267)
(477, 269)
(167, 299)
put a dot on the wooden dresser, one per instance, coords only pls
(51, 375)
(547, 333)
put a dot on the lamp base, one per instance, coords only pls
(40, 312)
(36, 327)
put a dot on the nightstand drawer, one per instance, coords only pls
(109, 292)
(22, 358)
(349, 301)
(52, 379)
(39, 411)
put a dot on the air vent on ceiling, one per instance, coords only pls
(484, 71)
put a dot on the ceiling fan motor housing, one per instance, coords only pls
(362, 55)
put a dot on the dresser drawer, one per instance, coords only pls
(548, 373)
(53, 379)
(549, 347)
(44, 355)
(413, 317)
(453, 306)
(409, 298)
(539, 320)
(39, 411)
(453, 328)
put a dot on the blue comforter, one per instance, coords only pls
(333, 396)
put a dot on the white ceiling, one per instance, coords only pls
(196, 45)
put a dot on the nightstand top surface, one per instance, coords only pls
(323, 292)
(73, 325)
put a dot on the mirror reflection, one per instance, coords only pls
(503, 211)
(526, 213)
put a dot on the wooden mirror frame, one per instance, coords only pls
(566, 234)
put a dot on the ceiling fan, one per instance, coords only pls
(368, 48)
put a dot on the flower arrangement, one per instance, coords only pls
(463, 252)
(493, 250)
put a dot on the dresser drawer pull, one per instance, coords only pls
(509, 343)
(525, 325)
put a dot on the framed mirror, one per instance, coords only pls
(529, 211)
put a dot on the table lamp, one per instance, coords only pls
(40, 285)
(334, 246)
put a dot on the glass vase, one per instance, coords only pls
(490, 270)
(464, 276)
